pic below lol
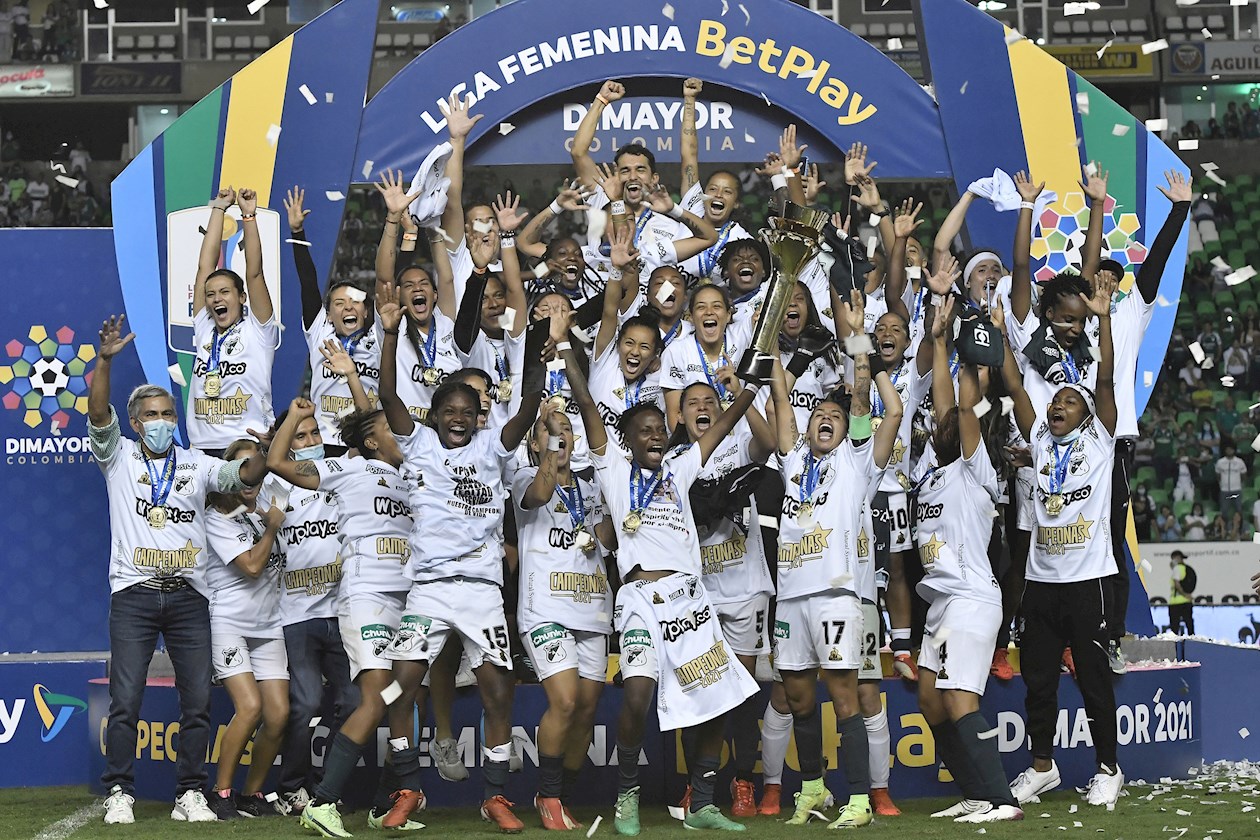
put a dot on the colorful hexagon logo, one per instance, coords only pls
(46, 376)
(1063, 227)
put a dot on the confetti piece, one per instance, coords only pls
(1212, 176)
(69, 182)
(334, 195)
(556, 364)
(1071, 9)
(273, 135)
(1154, 46)
(894, 44)
(272, 797)
(1119, 129)
(177, 376)
(963, 89)
(306, 92)
(314, 722)
(1091, 168)
(1243, 733)
(328, 97)
(1196, 350)
(1159, 124)
(507, 319)
(1008, 405)
(1187, 145)
(1072, 808)
(298, 242)
(542, 270)
(664, 292)
(254, 5)
(1163, 301)
(993, 733)
(747, 17)
(1242, 275)
(1094, 353)
(1227, 381)
(599, 817)
(1255, 446)
(1158, 694)
(391, 692)
(1105, 47)
(982, 408)
(1148, 379)
(367, 168)
(914, 272)
(55, 426)
(442, 232)
(506, 128)
(668, 11)
(1013, 36)
(57, 167)
(856, 345)
(1207, 33)
(1181, 812)
(804, 74)
(874, 220)
(1082, 103)
(356, 295)
(1076, 823)
(748, 138)
(1209, 166)
(1146, 567)
(100, 4)
(676, 812)
(1239, 2)
(481, 226)
(727, 57)
(766, 98)
(872, 245)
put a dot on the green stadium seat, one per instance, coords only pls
(1242, 181)
(1158, 497)
(1145, 475)
(1184, 417)
(1205, 307)
(1180, 509)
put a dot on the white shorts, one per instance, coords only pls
(367, 628)
(890, 513)
(744, 625)
(958, 642)
(1025, 512)
(818, 631)
(470, 608)
(871, 668)
(235, 654)
(553, 648)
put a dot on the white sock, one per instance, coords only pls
(880, 740)
(776, 731)
(900, 633)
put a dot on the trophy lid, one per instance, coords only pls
(816, 219)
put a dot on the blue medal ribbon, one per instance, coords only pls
(160, 481)
(809, 481)
(428, 347)
(1061, 462)
(954, 365)
(500, 363)
(638, 388)
(877, 404)
(747, 296)
(572, 498)
(642, 490)
(641, 223)
(673, 332)
(556, 382)
(216, 347)
(709, 256)
(1070, 371)
(708, 372)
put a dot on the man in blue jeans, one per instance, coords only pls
(156, 574)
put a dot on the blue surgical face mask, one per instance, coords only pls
(1070, 437)
(158, 435)
(309, 453)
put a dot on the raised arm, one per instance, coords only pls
(1025, 414)
(543, 487)
(764, 439)
(704, 235)
(942, 381)
(940, 282)
(255, 283)
(886, 435)
(396, 201)
(308, 277)
(298, 473)
(904, 226)
(951, 226)
(459, 122)
(1021, 273)
(625, 273)
(722, 427)
(337, 360)
(254, 560)
(689, 146)
(1152, 270)
(1105, 388)
(790, 155)
(581, 151)
(572, 197)
(505, 211)
(112, 343)
(785, 430)
(970, 435)
(211, 245)
(1095, 187)
(389, 313)
(592, 421)
(869, 200)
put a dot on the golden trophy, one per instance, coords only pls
(793, 240)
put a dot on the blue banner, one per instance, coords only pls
(44, 722)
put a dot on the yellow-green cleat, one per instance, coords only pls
(378, 823)
(324, 820)
(855, 814)
(626, 814)
(810, 802)
(710, 817)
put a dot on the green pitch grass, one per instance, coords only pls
(1217, 809)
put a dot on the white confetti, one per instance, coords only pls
(67, 181)
(297, 242)
(254, 5)
(1158, 694)
(1148, 379)
(1076, 823)
(727, 56)
(873, 221)
(857, 345)
(1163, 301)
(367, 168)
(1071, 9)
(482, 226)
(963, 89)
(334, 195)
(306, 92)
(1207, 33)
(328, 97)
(748, 138)
(272, 797)
(356, 295)
(177, 375)
(314, 722)
(1072, 808)
(747, 17)
(914, 272)
(1212, 176)
(804, 74)
(1105, 47)
(668, 11)
(664, 292)
(1181, 812)
(766, 98)
(556, 364)
(1154, 46)
(1013, 36)
(542, 270)
(1146, 567)
(1227, 381)
(1187, 145)
(1209, 166)
(1091, 168)
(507, 319)
(1119, 129)
(273, 135)
(100, 4)
(590, 832)
(1242, 275)
(1008, 405)
(391, 692)
(506, 128)
(871, 245)
(677, 813)
(1239, 2)
(1159, 124)
(1243, 733)
(1094, 353)
(894, 44)
(725, 8)
(982, 408)
(1196, 350)
(993, 733)
(55, 426)
(1082, 103)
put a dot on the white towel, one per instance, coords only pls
(432, 183)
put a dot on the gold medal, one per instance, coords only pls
(875, 423)
(431, 376)
(805, 513)
(632, 521)
(214, 383)
(1054, 504)
(904, 480)
(156, 517)
(559, 402)
(504, 392)
(584, 539)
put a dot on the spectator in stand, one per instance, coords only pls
(1233, 122)
(1194, 524)
(1190, 375)
(1214, 130)
(1165, 438)
(1206, 486)
(21, 16)
(1183, 491)
(17, 183)
(1177, 354)
(11, 149)
(1169, 529)
(80, 157)
(1239, 530)
(1209, 434)
(1210, 340)
(39, 190)
(1250, 122)
(1144, 448)
(1244, 434)
(1203, 396)
(1227, 417)
(1191, 130)
(6, 36)
(1255, 515)
(1230, 470)
(1216, 532)
(48, 41)
(1143, 514)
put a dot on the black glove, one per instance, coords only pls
(851, 265)
(815, 341)
(876, 362)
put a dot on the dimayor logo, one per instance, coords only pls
(46, 376)
(65, 705)
(1063, 235)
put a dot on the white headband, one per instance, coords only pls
(976, 260)
(1086, 395)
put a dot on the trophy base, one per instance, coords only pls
(755, 367)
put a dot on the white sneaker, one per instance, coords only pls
(999, 813)
(1032, 783)
(118, 807)
(967, 806)
(297, 800)
(191, 806)
(1104, 788)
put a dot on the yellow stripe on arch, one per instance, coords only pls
(1047, 116)
(256, 104)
